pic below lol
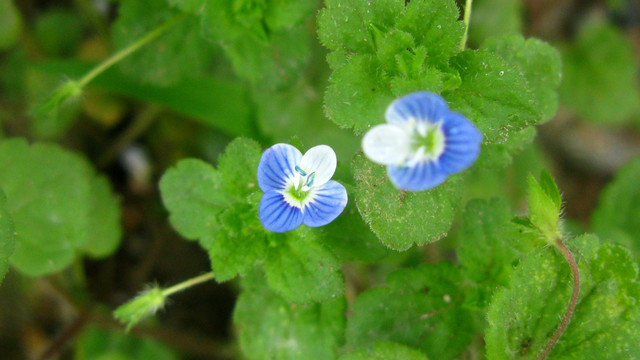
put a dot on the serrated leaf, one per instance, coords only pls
(543, 212)
(493, 94)
(7, 236)
(346, 25)
(239, 244)
(358, 95)
(601, 75)
(302, 270)
(386, 350)
(104, 222)
(385, 51)
(101, 344)
(418, 311)
(522, 316)
(401, 219)
(50, 197)
(618, 213)
(434, 24)
(238, 166)
(271, 328)
(192, 192)
(179, 53)
(540, 64)
(47, 193)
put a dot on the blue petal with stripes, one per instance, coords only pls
(297, 188)
(277, 165)
(329, 201)
(423, 142)
(277, 215)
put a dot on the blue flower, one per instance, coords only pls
(297, 189)
(422, 142)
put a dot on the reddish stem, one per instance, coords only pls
(564, 323)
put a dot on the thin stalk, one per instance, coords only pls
(115, 58)
(564, 323)
(467, 19)
(187, 284)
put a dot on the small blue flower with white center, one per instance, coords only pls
(297, 189)
(422, 142)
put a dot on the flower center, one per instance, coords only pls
(300, 190)
(428, 141)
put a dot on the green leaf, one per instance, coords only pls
(239, 244)
(434, 25)
(493, 94)
(386, 350)
(105, 231)
(420, 309)
(540, 64)
(543, 211)
(618, 213)
(189, 6)
(11, 24)
(601, 75)
(238, 167)
(179, 53)
(192, 191)
(385, 51)
(271, 328)
(302, 270)
(47, 193)
(401, 219)
(100, 344)
(605, 323)
(7, 236)
(52, 195)
(358, 95)
(347, 25)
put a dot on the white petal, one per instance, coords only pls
(320, 160)
(387, 144)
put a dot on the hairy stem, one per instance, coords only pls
(466, 19)
(188, 283)
(115, 58)
(564, 323)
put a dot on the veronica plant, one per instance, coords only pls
(422, 142)
(297, 189)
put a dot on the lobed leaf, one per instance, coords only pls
(269, 327)
(421, 309)
(401, 219)
(386, 350)
(605, 323)
(302, 270)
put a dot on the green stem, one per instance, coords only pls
(564, 323)
(187, 284)
(466, 19)
(115, 58)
